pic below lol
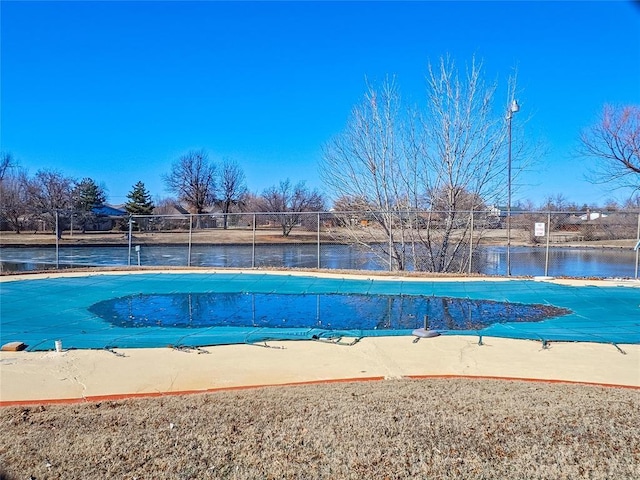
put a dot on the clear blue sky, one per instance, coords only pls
(117, 91)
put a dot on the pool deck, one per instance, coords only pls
(94, 375)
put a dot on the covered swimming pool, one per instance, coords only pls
(194, 309)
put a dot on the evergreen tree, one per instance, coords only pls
(140, 202)
(86, 196)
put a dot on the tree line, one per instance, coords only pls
(199, 185)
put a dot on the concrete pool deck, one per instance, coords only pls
(92, 375)
(39, 377)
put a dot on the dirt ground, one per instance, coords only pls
(438, 428)
(261, 236)
(211, 236)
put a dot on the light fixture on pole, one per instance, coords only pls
(513, 108)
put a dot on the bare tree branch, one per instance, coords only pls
(615, 142)
(6, 162)
(288, 201)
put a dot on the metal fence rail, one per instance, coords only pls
(576, 244)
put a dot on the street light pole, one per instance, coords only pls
(513, 108)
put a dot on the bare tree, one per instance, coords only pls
(49, 195)
(632, 203)
(615, 140)
(252, 202)
(288, 202)
(232, 187)
(193, 180)
(555, 203)
(611, 205)
(525, 205)
(13, 198)
(449, 156)
(351, 204)
(164, 206)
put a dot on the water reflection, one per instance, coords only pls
(327, 311)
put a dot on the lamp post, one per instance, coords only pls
(513, 108)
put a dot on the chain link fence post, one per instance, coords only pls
(546, 253)
(130, 234)
(57, 240)
(471, 243)
(189, 240)
(637, 248)
(318, 240)
(253, 244)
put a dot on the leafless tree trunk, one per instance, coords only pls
(615, 140)
(232, 187)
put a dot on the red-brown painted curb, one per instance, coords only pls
(127, 396)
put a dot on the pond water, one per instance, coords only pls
(563, 261)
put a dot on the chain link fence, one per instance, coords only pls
(574, 244)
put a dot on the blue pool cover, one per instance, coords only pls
(39, 311)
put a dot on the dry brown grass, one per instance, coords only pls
(112, 238)
(239, 236)
(393, 429)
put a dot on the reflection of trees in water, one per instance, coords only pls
(329, 311)
(446, 314)
(385, 314)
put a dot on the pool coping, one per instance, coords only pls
(368, 275)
